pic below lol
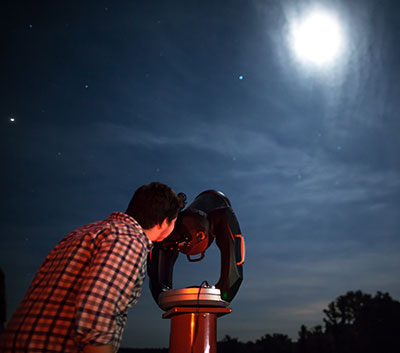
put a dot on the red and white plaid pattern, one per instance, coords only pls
(81, 292)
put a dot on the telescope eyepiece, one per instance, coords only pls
(183, 198)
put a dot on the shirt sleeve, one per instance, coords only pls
(106, 289)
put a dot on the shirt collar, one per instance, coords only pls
(123, 217)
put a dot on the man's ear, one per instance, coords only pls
(163, 224)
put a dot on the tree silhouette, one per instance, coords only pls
(277, 343)
(354, 323)
(313, 341)
(344, 310)
(358, 322)
(377, 325)
(340, 317)
(229, 345)
(302, 342)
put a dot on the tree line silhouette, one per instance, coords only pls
(354, 323)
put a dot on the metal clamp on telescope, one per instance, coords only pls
(208, 217)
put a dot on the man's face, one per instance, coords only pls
(166, 229)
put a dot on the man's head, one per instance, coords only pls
(155, 207)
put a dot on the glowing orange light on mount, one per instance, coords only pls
(242, 249)
(201, 235)
(192, 327)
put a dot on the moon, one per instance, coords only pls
(317, 38)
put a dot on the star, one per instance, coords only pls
(12, 120)
(241, 77)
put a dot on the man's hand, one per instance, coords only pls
(98, 349)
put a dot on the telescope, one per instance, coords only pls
(209, 217)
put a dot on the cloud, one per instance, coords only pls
(218, 137)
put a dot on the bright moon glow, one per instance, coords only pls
(317, 38)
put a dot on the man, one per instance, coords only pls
(79, 297)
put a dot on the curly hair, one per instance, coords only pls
(153, 203)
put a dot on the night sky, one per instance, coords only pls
(100, 97)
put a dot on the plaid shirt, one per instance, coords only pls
(81, 292)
